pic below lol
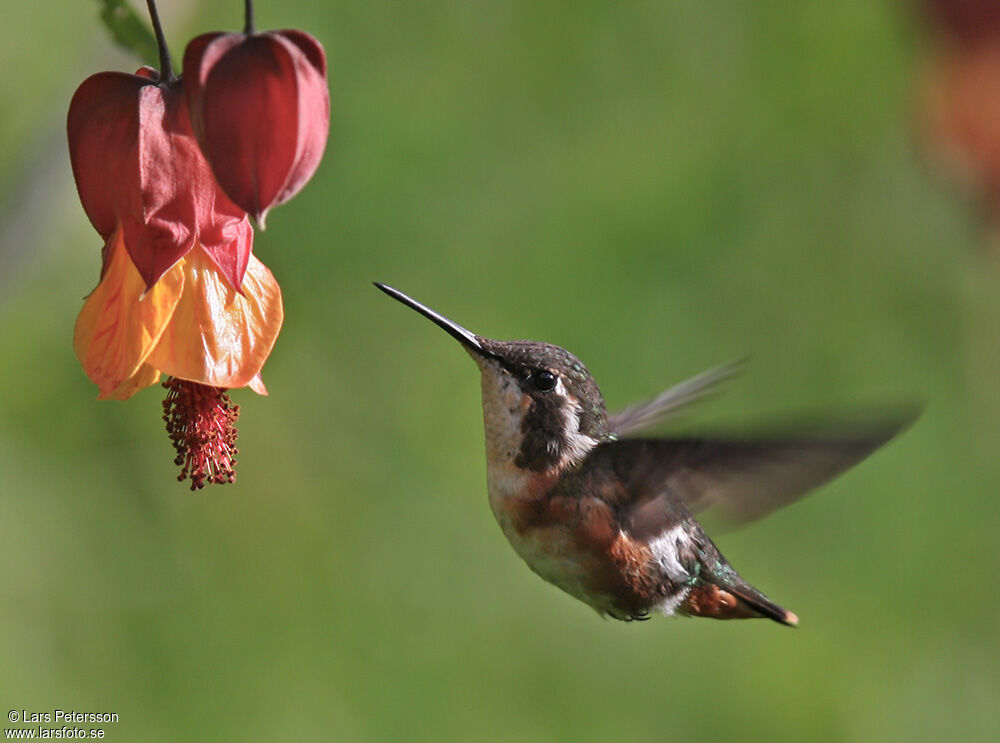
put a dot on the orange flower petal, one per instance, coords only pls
(218, 336)
(119, 326)
(257, 385)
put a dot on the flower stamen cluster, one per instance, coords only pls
(201, 423)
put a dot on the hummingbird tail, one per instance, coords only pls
(734, 602)
(765, 607)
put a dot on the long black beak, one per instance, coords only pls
(467, 338)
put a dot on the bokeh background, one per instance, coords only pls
(659, 187)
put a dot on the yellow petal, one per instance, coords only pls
(119, 325)
(218, 336)
(144, 376)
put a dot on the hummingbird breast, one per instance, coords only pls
(576, 544)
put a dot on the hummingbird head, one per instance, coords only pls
(542, 410)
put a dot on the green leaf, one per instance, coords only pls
(130, 31)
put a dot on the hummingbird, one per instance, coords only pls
(608, 516)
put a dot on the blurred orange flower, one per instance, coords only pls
(960, 93)
(260, 108)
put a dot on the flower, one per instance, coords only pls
(260, 109)
(180, 291)
(967, 21)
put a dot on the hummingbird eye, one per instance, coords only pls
(542, 380)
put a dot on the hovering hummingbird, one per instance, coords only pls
(608, 518)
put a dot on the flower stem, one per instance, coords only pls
(166, 69)
(249, 28)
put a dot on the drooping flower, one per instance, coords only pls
(260, 108)
(180, 291)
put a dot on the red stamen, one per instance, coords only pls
(201, 423)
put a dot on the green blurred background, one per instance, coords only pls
(659, 187)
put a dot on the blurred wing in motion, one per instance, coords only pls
(670, 403)
(739, 478)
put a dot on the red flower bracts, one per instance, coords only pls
(261, 112)
(138, 166)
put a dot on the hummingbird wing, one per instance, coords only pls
(742, 478)
(671, 402)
